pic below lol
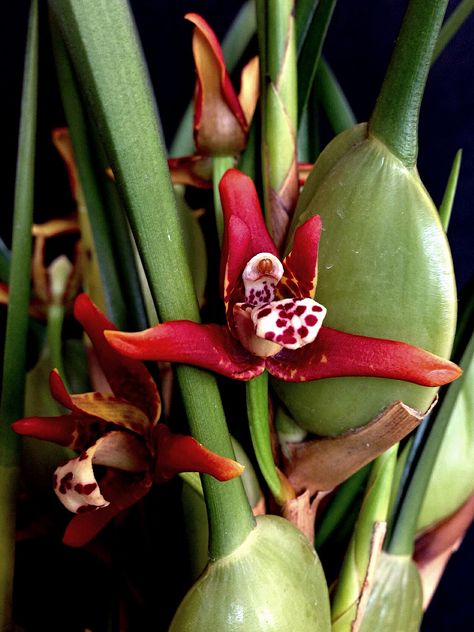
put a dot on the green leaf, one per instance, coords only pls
(447, 202)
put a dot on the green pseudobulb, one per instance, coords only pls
(273, 582)
(385, 270)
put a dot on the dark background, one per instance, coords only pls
(358, 48)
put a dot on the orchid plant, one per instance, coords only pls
(334, 309)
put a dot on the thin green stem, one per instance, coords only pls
(394, 120)
(14, 361)
(452, 26)
(220, 164)
(104, 48)
(257, 412)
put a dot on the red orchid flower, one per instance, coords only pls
(273, 322)
(119, 431)
(221, 118)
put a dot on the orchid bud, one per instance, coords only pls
(385, 270)
(274, 580)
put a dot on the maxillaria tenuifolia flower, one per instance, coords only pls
(118, 430)
(273, 322)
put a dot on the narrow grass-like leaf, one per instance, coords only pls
(452, 26)
(14, 361)
(447, 202)
(309, 50)
(102, 41)
(333, 100)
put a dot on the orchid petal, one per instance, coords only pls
(337, 354)
(122, 490)
(75, 483)
(207, 346)
(301, 264)
(129, 380)
(101, 406)
(3, 293)
(250, 88)
(180, 453)
(220, 126)
(245, 233)
(73, 431)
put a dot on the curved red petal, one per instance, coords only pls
(239, 253)
(240, 200)
(301, 264)
(72, 431)
(337, 354)
(207, 346)
(122, 490)
(180, 453)
(129, 379)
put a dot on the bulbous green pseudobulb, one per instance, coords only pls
(385, 270)
(396, 601)
(273, 582)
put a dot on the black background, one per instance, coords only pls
(358, 48)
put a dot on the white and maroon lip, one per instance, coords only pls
(261, 275)
(291, 323)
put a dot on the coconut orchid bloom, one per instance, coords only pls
(119, 431)
(273, 322)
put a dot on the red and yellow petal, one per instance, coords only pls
(337, 354)
(75, 431)
(207, 346)
(129, 379)
(301, 264)
(220, 126)
(180, 453)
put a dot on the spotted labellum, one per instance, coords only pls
(273, 322)
(118, 430)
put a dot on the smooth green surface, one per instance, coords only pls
(395, 603)
(394, 120)
(333, 100)
(385, 270)
(102, 42)
(274, 582)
